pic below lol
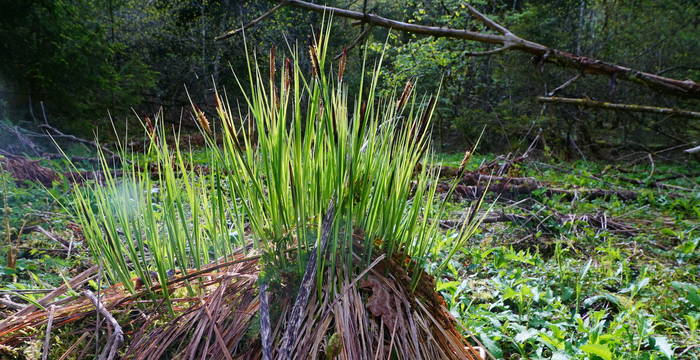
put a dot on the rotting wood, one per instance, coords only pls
(306, 286)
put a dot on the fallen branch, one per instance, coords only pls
(505, 38)
(620, 107)
(653, 184)
(600, 221)
(72, 284)
(24, 169)
(117, 337)
(57, 133)
(510, 190)
(6, 302)
(36, 228)
(47, 339)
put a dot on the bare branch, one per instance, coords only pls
(252, 23)
(622, 107)
(57, 133)
(117, 337)
(354, 43)
(564, 85)
(488, 22)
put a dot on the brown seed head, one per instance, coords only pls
(404, 95)
(465, 160)
(273, 50)
(314, 60)
(202, 119)
(341, 64)
(288, 74)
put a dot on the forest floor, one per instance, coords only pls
(555, 272)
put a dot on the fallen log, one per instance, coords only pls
(509, 190)
(599, 221)
(507, 41)
(24, 169)
(619, 107)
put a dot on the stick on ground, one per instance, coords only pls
(117, 338)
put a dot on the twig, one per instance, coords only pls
(117, 338)
(37, 228)
(354, 43)
(488, 22)
(295, 317)
(564, 85)
(47, 339)
(9, 303)
(252, 23)
(74, 346)
(73, 283)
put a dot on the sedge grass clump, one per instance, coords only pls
(298, 143)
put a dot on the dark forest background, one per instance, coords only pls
(75, 63)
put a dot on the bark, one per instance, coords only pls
(509, 41)
(307, 284)
(620, 107)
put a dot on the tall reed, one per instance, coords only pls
(297, 144)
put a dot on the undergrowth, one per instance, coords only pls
(549, 290)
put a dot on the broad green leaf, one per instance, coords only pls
(598, 350)
(447, 285)
(491, 346)
(525, 335)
